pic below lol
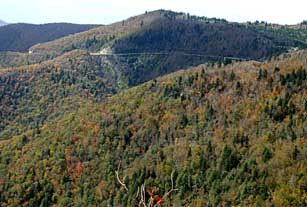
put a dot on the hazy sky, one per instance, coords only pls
(107, 11)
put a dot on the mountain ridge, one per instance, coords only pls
(121, 34)
(20, 37)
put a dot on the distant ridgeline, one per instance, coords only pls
(187, 16)
(158, 31)
(20, 37)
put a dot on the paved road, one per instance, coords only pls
(167, 53)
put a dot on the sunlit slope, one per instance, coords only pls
(234, 135)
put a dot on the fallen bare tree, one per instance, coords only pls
(151, 200)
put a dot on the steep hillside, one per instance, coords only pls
(229, 136)
(156, 43)
(95, 39)
(166, 27)
(216, 39)
(30, 95)
(16, 59)
(92, 40)
(296, 32)
(20, 37)
(182, 41)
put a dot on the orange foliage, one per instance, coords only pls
(78, 167)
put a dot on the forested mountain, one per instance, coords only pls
(169, 32)
(226, 136)
(216, 39)
(177, 110)
(297, 32)
(20, 37)
(166, 25)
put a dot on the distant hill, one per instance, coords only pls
(91, 40)
(2, 23)
(158, 30)
(167, 31)
(20, 37)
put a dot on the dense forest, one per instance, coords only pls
(20, 37)
(31, 94)
(222, 136)
(215, 39)
(157, 130)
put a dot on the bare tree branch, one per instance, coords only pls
(153, 201)
(143, 196)
(121, 182)
(166, 195)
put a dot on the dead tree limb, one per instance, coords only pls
(166, 195)
(143, 196)
(153, 201)
(121, 182)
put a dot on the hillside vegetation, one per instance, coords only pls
(216, 39)
(226, 136)
(297, 32)
(64, 68)
(95, 39)
(31, 94)
(91, 40)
